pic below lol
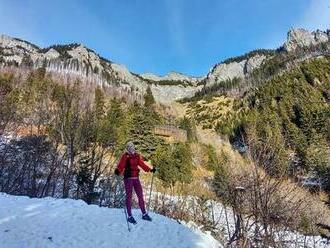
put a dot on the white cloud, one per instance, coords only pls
(317, 15)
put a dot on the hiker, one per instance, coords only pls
(129, 166)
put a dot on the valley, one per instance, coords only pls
(246, 136)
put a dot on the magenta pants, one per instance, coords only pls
(135, 183)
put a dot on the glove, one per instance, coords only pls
(153, 170)
(117, 172)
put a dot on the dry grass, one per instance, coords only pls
(209, 112)
(314, 206)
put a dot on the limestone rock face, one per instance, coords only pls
(321, 37)
(9, 42)
(123, 73)
(225, 71)
(170, 93)
(303, 38)
(52, 54)
(236, 69)
(151, 76)
(172, 76)
(254, 62)
(82, 53)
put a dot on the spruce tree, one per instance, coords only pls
(149, 99)
(99, 103)
(141, 124)
(188, 125)
(174, 163)
(116, 125)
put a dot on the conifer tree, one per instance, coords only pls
(116, 125)
(149, 99)
(99, 103)
(142, 121)
(174, 163)
(188, 125)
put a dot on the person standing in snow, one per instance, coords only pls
(128, 165)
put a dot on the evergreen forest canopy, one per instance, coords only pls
(292, 112)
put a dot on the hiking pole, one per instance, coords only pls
(152, 182)
(124, 204)
(128, 227)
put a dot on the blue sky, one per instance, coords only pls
(159, 36)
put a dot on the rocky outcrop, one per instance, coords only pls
(235, 69)
(172, 76)
(242, 67)
(225, 71)
(52, 54)
(254, 63)
(9, 42)
(170, 93)
(303, 38)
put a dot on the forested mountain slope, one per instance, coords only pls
(256, 125)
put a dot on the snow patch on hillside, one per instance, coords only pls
(49, 222)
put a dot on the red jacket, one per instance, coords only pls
(129, 164)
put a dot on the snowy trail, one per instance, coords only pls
(49, 222)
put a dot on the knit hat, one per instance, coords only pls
(130, 147)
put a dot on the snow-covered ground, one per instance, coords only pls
(49, 222)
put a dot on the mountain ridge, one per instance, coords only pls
(83, 62)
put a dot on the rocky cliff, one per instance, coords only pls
(303, 38)
(172, 76)
(239, 68)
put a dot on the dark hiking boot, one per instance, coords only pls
(146, 217)
(131, 220)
